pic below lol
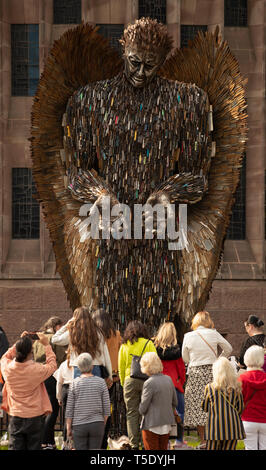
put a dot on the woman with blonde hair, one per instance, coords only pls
(169, 352)
(158, 400)
(199, 352)
(223, 401)
(82, 334)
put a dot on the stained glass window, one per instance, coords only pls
(155, 9)
(237, 227)
(188, 32)
(24, 59)
(113, 32)
(25, 208)
(235, 13)
(67, 11)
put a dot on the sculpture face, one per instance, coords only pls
(141, 66)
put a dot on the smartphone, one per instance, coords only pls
(33, 336)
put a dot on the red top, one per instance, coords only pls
(254, 394)
(177, 371)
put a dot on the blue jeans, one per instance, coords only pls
(95, 371)
(181, 404)
(181, 411)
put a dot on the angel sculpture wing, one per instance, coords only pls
(209, 63)
(78, 57)
(82, 57)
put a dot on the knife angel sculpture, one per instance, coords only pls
(139, 132)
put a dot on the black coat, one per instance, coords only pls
(169, 354)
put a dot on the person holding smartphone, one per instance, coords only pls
(25, 397)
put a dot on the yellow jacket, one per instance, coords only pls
(125, 356)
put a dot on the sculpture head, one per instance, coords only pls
(146, 44)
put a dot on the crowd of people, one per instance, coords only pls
(168, 383)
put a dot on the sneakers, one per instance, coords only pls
(49, 447)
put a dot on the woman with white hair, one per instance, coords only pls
(88, 407)
(158, 401)
(223, 401)
(254, 393)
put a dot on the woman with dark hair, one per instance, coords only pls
(134, 340)
(49, 328)
(82, 334)
(25, 397)
(113, 341)
(253, 326)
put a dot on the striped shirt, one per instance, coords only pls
(88, 400)
(224, 414)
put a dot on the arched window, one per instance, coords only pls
(25, 208)
(24, 59)
(237, 227)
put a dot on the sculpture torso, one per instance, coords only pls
(133, 136)
(137, 139)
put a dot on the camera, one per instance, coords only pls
(33, 335)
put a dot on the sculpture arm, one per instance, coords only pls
(193, 155)
(82, 151)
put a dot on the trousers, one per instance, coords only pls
(25, 433)
(255, 435)
(88, 436)
(65, 389)
(132, 396)
(153, 441)
(50, 420)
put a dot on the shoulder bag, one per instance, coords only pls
(208, 344)
(135, 370)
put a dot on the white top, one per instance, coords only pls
(63, 375)
(195, 352)
(61, 338)
(163, 429)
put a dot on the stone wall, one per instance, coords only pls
(27, 304)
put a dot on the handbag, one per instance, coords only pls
(104, 372)
(135, 370)
(173, 431)
(178, 419)
(68, 445)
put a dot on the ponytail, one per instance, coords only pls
(23, 348)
